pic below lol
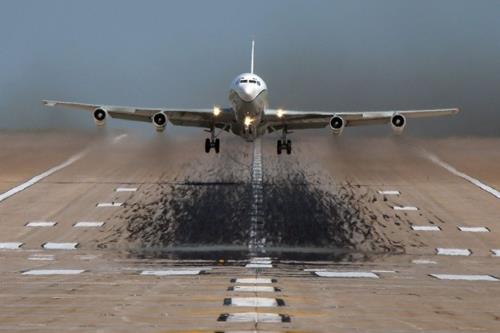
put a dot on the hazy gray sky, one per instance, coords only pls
(329, 55)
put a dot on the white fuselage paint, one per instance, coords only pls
(248, 98)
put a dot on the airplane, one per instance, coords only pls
(249, 116)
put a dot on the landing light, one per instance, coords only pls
(248, 121)
(217, 111)
(280, 113)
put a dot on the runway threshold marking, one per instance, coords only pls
(253, 289)
(254, 302)
(253, 281)
(88, 224)
(453, 252)
(474, 229)
(126, 189)
(10, 245)
(109, 204)
(331, 274)
(41, 224)
(436, 160)
(405, 208)
(425, 228)
(41, 176)
(42, 257)
(172, 272)
(53, 272)
(424, 262)
(463, 277)
(254, 317)
(59, 246)
(389, 192)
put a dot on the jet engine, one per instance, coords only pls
(337, 124)
(398, 123)
(160, 121)
(100, 116)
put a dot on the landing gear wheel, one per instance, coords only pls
(217, 146)
(279, 147)
(207, 146)
(289, 147)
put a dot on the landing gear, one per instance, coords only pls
(212, 143)
(284, 144)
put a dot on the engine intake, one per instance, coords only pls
(160, 121)
(100, 116)
(337, 124)
(398, 123)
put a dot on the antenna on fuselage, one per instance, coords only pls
(251, 61)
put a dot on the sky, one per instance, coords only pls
(314, 55)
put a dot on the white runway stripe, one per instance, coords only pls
(42, 257)
(85, 224)
(54, 272)
(109, 204)
(369, 275)
(36, 179)
(126, 189)
(252, 302)
(59, 246)
(460, 277)
(453, 252)
(496, 252)
(454, 171)
(405, 208)
(40, 224)
(425, 228)
(473, 229)
(254, 289)
(172, 272)
(253, 317)
(254, 281)
(10, 245)
(119, 138)
(389, 192)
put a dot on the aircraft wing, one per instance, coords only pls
(205, 118)
(278, 118)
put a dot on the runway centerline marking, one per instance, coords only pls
(425, 228)
(436, 160)
(389, 192)
(254, 317)
(41, 176)
(254, 302)
(109, 204)
(405, 208)
(462, 277)
(473, 229)
(172, 272)
(60, 246)
(126, 189)
(53, 272)
(89, 224)
(119, 138)
(257, 240)
(338, 274)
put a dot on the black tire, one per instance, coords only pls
(207, 146)
(217, 146)
(289, 147)
(278, 146)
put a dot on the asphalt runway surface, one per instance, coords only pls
(118, 231)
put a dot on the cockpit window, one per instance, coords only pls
(243, 81)
(252, 81)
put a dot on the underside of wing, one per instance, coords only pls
(278, 119)
(205, 118)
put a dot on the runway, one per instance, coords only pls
(150, 234)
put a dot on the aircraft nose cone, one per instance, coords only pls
(247, 93)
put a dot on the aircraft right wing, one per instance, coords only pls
(279, 118)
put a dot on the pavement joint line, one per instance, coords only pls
(453, 252)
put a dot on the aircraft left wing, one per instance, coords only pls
(279, 118)
(205, 118)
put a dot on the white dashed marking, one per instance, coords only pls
(424, 262)
(253, 317)
(10, 245)
(405, 208)
(119, 138)
(328, 274)
(254, 289)
(172, 272)
(40, 224)
(425, 228)
(256, 302)
(473, 229)
(459, 277)
(496, 252)
(126, 189)
(453, 252)
(54, 272)
(109, 204)
(389, 192)
(36, 179)
(254, 281)
(59, 246)
(85, 224)
(256, 265)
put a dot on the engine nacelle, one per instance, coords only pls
(337, 124)
(100, 116)
(160, 121)
(398, 123)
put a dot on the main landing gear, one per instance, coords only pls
(284, 144)
(213, 142)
